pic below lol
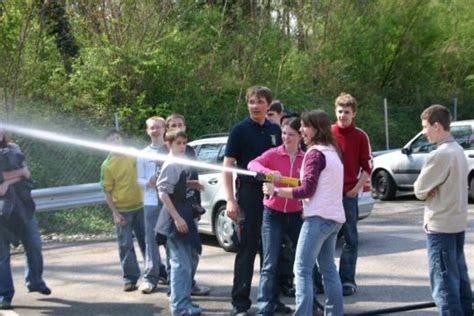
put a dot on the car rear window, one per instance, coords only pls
(463, 135)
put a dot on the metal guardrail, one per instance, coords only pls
(51, 199)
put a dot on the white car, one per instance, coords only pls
(397, 170)
(211, 149)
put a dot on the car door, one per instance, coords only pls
(412, 158)
(416, 152)
(210, 179)
(463, 135)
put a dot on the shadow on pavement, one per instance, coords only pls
(60, 307)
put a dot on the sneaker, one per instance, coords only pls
(146, 287)
(238, 312)
(282, 309)
(129, 287)
(42, 290)
(200, 290)
(190, 311)
(5, 305)
(348, 290)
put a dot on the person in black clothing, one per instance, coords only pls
(18, 223)
(247, 140)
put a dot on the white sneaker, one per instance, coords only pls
(146, 287)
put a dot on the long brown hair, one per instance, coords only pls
(321, 123)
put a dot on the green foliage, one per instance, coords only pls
(88, 220)
(147, 58)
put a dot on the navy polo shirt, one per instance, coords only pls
(248, 140)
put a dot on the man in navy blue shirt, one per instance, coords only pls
(247, 140)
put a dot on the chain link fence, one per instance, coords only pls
(54, 164)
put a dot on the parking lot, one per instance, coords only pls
(392, 271)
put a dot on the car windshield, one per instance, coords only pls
(462, 134)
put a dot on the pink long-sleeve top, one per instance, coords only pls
(277, 159)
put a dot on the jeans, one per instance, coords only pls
(348, 260)
(31, 240)
(449, 279)
(135, 225)
(183, 261)
(152, 253)
(286, 261)
(250, 199)
(317, 240)
(274, 225)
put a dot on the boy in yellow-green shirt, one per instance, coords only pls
(124, 197)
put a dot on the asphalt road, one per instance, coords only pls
(86, 280)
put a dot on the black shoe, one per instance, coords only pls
(43, 290)
(129, 287)
(288, 290)
(163, 278)
(281, 308)
(348, 290)
(5, 305)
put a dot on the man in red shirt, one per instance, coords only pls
(356, 157)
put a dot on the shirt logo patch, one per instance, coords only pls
(274, 140)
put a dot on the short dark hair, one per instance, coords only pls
(171, 136)
(437, 113)
(289, 115)
(294, 123)
(4, 141)
(259, 91)
(276, 106)
(109, 132)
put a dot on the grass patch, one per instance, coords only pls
(85, 220)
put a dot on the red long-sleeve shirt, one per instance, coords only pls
(356, 153)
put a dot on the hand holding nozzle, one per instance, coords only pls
(268, 189)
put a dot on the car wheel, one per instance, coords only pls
(224, 228)
(385, 187)
(471, 188)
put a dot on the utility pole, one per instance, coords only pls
(385, 108)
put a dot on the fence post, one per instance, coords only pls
(455, 111)
(116, 122)
(385, 108)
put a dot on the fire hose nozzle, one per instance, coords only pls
(293, 182)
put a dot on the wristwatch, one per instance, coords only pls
(275, 191)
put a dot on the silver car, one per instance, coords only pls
(211, 149)
(398, 170)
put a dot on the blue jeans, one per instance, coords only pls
(183, 261)
(135, 225)
(31, 240)
(449, 279)
(274, 226)
(152, 253)
(317, 240)
(348, 260)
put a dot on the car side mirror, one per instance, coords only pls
(406, 151)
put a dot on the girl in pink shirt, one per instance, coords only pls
(281, 216)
